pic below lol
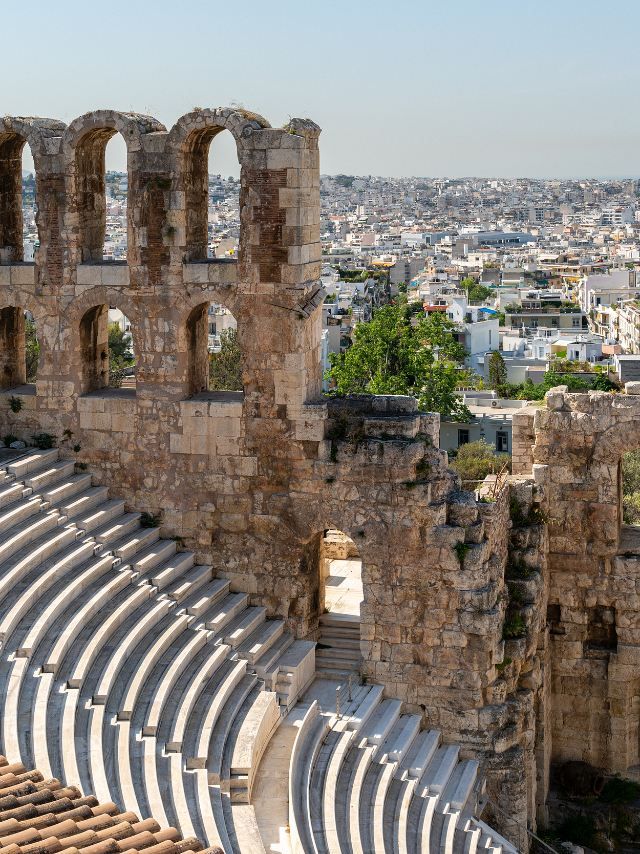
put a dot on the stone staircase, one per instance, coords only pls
(132, 675)
(127, 669)
(338, 649)
(370, 782)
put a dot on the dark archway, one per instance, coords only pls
(19, 348)
(18, 231)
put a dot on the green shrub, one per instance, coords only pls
(579, 829)
(475, 460)
(461, 549)
(514, 627)
(620, 791)
(43, 441)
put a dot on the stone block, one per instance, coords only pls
(555, 398)
(89, 274)
(23, 274)
(114, 275)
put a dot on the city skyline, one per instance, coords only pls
(411, 90)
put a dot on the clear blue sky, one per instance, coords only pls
(409, 87)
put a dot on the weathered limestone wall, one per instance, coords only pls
(252, 480)
(593, 610)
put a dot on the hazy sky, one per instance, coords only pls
(407, 87)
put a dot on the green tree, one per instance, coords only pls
(32, 350)
(225, 367)
(474, 290)
(400, 353)
(475, 460)
(497, 370)
(120, 354)
(119, 343)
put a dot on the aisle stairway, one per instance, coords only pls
(338, 648)
(370, 782)
(128, 672)
(126, 669)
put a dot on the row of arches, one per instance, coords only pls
(213, 222)
(210, 218)
(108, 349)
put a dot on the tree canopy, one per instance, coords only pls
(475, 291)
(497, 370)
(120, 354)
(398, 352)
(225, 366)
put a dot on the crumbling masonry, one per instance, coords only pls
(515, 637)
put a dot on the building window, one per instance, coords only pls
(463, 437)
(575, 321)
(502, 441)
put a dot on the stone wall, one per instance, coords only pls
(455, 586)
(593, 612)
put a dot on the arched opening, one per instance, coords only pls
(116, 189)
(630, 488)
(19, 348)
(215, 358)
(106, 350)
(30, 240)
(212, 196)
(18, 233)
(340, 596)
(102, 196)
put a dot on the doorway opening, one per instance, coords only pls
(340, 599)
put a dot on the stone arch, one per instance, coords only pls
(13, 370)
(15, 133)
(88, 318)
(195, 323)
(190, 139)
(83, 146)
(609, 449)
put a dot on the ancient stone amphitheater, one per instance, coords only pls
(171, 661)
